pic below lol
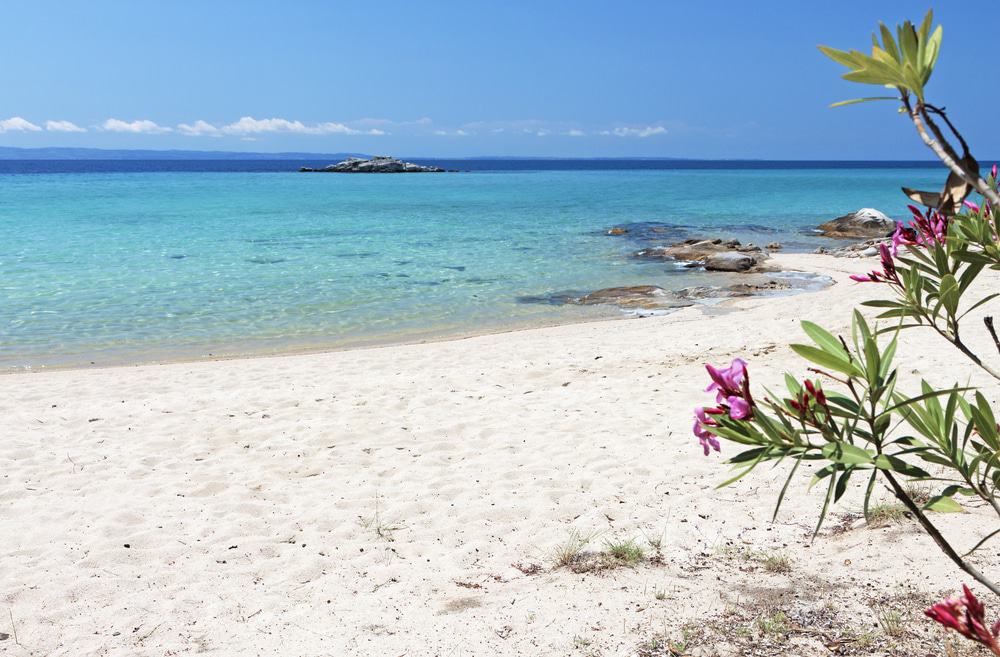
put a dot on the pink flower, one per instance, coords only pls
(927, 228)
(967, 616)
(888, 273)
(706, 438)
(727, 380)
(993, 172)
(739, 408)
(732, 388)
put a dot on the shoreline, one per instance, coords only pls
(417, 495)
(792, 258)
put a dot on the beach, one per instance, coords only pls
(412, 499)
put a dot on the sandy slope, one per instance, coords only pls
(230, 507)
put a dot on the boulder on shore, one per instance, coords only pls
(378, 164)
(865, 223)
(866, 249)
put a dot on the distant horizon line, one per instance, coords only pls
(77, 153)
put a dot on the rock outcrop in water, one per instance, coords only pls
(713, 255)
(865, 223)
(378, 164)
(653, 299)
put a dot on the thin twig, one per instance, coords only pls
(993, 332)
(12, 626)
(942, 543)
(980, 543)
(961, 346)
(951, 126)
(921, 120)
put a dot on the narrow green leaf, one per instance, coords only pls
(825, 359)
(823, 338)
(869, 99)
(888, 42)
(943, 504)
(895, 464)
(846, 453)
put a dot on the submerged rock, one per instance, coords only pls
(737, 290)
(648, 232)
(653, 299)
(713, 255)
(638, 296)
(378, 164)
(866, 222)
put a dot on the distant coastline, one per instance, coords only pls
(14, 154)
(291, 163)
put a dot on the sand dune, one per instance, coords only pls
(375, 502)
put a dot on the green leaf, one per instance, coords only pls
(869, 99)
(888, 42)
(908, 42)
(868, 493)
(852, 60)
(873, 364)
(887, 356)
(929, 394)
(825, 359)
(826, 505)
(933, 50)
(882, 303)
(986, 299)
(895, 464)
(823, 338)
(846, 453)
(781, 495)
(943, 504)
(841, 487)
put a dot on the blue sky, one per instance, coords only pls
(556, 78)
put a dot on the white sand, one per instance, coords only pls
(245, 492)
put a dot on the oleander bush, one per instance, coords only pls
(857, 416)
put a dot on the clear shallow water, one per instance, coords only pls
(99, 266)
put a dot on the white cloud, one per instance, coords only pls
(16, 123)
(63, 126)
(199, 128)
(142, 126)
(575, 133)
(648, 131)
(389, 123)
(452, 133)
(248, 125)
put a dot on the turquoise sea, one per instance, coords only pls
(106, 265)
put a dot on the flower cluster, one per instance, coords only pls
(967, 616)
(808, 399)
(927, 228)
(888, 273)
(731, 386)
